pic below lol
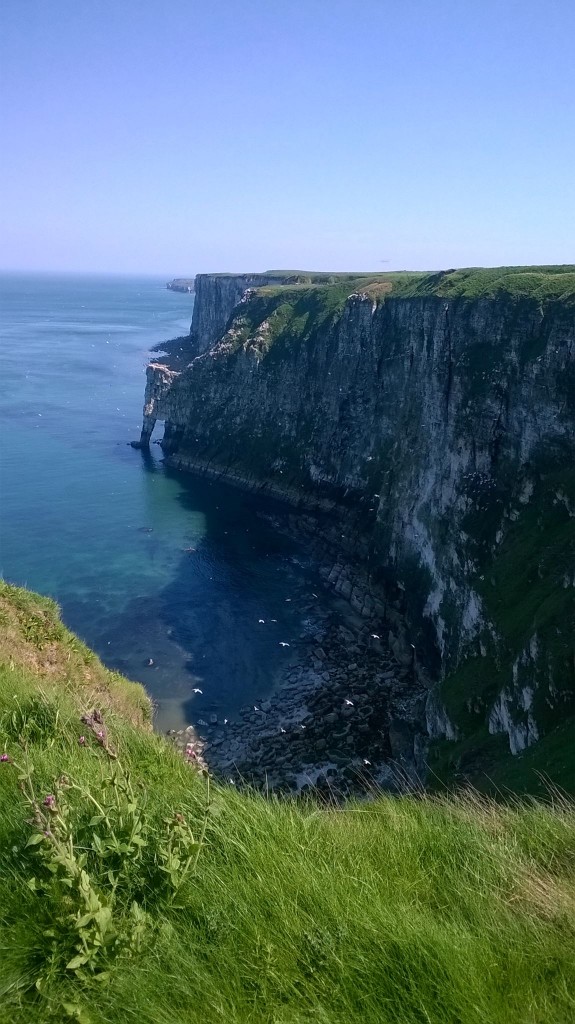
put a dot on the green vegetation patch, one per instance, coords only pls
(540, 283)
(34, 640)
(526, 584)
(484, 761)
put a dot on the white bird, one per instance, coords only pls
(226, 720)
(261, 620)
(288, 598)
(376, 636)
(197, 690)
(282, 730)
(256, 708)
(303, 726)
(365, 761)
(273, 620)
(348, 702)
(314, 595)
(283, 643)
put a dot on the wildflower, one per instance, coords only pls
(49, 801)
(82, 741)
(47, 833)
(100, 734)
(4, 757)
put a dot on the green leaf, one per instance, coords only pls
(96, 819)
(77, 1013)
(31, 883)
(77, 961)
(36, 839)
(84, 920)
(103, 918)
(139, 841)
(72, 1009)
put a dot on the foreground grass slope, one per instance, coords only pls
(407, 911)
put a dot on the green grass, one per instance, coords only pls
(538, 283)
(397, 911)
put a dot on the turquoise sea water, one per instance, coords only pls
(105, 530)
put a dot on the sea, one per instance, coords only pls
(165, 575)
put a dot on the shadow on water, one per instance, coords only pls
(202, 630)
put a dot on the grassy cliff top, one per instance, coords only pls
(130, 892)
(538, 282)
(278, 317)
(554, 282)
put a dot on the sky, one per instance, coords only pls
(145, 136)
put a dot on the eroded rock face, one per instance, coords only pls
(216, 297)
(449, 424)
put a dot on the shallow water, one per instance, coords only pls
(146, 563)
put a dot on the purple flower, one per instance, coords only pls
(82, 741)
(47, 833)
(4, 757)
(100, 734)
(49, 801)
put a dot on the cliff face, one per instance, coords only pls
(216, 297)
(443, 409)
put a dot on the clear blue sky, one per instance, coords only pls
(175, 137)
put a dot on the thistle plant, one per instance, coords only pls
(98, 857)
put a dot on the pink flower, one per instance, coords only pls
(82, 741)
(100, 734)
(49, 801)
(4, 757)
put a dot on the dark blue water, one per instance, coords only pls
(106, 530)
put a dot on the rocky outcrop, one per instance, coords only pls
(441, 411)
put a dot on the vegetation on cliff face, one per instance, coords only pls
(407, 909)
(526, 583)
(281, 317)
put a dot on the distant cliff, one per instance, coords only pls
(181, 284)
(443, 407)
